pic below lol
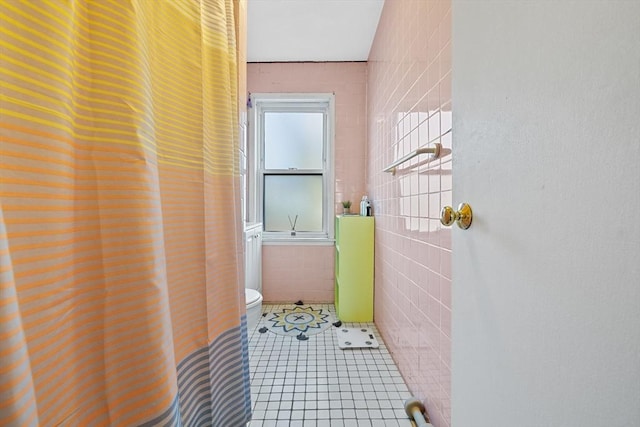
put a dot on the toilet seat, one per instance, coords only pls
(252, 297)
(254, 307)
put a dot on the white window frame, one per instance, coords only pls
(264, 102)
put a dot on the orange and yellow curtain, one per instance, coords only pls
(121, 301)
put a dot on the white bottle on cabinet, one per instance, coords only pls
(365, 206)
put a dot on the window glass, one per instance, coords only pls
(290, 199)
(293, 140)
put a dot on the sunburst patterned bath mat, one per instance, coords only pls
(298, 320)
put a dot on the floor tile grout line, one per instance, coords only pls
(335, 387)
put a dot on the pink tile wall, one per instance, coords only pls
(291, 273)
(409, 105)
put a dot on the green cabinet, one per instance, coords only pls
(354, 268)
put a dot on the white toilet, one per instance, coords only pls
(254, 307)
(253, 274)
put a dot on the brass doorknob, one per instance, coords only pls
(462, 216)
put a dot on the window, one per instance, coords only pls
(293, 166)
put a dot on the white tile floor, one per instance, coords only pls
(314, 383)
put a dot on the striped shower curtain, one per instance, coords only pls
(120, 248)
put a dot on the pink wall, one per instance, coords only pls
(297, 272)
(292, 273)
(409, 104)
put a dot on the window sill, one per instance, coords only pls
(297, 241)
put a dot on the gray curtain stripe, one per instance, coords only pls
(204, 418)
(197, 380)
(244, 332)
(224, 361)
(169, 418)
(175, 420)
(201, 396)
(230, 381)
(229, 378)
(231, 412)
(213, 385)
(192, 362)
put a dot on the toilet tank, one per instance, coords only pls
(253, 256)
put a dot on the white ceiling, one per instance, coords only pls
(311, 30)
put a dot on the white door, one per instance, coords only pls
(546, 282)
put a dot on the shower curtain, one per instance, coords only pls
(120, 252)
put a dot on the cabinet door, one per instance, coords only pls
(354, 268)
(253, 259)
(249, 266)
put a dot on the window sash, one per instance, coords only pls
(283, 145)
(300, 204)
